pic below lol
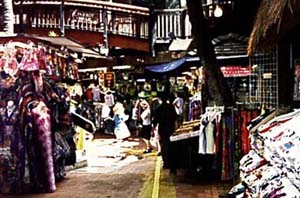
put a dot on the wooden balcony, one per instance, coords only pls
(171, 22)
(89, 22)
(101, 23)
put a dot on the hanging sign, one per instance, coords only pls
(109, 79)
(236, 71)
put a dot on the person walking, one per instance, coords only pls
(165, 117)
(154, 140)
(121, 130)
(146, 125)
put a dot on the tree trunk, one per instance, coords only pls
(218, 90)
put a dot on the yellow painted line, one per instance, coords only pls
(155, 190)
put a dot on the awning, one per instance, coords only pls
(59, 41)
(68, 43)
(166, 67)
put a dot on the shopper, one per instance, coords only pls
(165, 117)
(178, 105)
(155, 139)
(146, 125)
(121, 130)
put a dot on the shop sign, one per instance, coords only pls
(236, 71)
(84, 16)
(109, 79)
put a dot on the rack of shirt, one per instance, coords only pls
(209, 129)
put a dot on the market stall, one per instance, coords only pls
(36, 137)
(208, 144)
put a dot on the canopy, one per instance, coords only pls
(166, 67)
(72, 45)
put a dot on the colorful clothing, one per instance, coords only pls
(9, 140)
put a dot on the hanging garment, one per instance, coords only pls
(96, 92)
(109, 99)
(195, 110)
(202, 140)
(36, 165)
(207, 138)
(218, 133)
(42, 122)
(61, 150)
(227, 148)
(210, 139)
(245, 117)
(9, 140)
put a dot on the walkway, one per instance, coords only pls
(121, 170)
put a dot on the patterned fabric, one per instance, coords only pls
(27, 143)
(195, 110)
(42, 122)
(9, 137)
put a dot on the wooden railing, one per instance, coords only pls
(102, 16)
(98, 16)
(172, 22)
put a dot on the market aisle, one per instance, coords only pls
(121, 170)
(114, 170)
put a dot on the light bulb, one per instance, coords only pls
(218, 11)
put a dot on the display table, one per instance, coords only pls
(186, 145)
(186, 148)
(184, 136)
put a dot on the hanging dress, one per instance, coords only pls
(9, 140)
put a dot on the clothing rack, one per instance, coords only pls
(230, 111)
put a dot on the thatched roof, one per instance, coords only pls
(273, 20)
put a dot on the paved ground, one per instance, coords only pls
(121, 170)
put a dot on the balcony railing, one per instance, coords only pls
(104, 17)
(172, 21)
(98, 16)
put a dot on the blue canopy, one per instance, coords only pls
(166, 67)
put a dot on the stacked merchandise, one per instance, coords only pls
(188, 129)
(271, 168)
(188, 126)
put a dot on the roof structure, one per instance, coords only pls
(274, 19)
